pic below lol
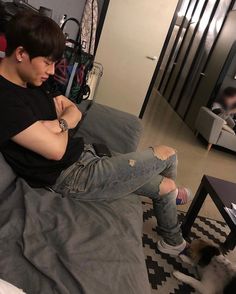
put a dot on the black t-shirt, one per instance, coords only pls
(19, 108)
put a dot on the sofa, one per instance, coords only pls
(54, 244)
(214, 130)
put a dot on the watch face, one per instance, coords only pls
(63, 125)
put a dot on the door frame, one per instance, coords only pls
(101, 21)
(167, 39)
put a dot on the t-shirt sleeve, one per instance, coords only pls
(15, 116)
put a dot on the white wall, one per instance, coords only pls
(133, 30)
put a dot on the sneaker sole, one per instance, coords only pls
(169, 251)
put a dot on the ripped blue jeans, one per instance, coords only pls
(93, 178)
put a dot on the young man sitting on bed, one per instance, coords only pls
(34, 135)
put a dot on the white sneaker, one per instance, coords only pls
(169, 249)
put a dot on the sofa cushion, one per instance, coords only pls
(228, 129)
(120, 131)
(227, 140)
(7, 174)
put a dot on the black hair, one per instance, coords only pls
(227, 92)
(3, 19)
(38, 35)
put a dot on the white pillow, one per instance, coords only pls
(7, 288)
(228, 129)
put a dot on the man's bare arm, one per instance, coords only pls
(43, 141)
(45, 137)
(67, 110)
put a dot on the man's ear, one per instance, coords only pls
(206, 254)
(20, 54)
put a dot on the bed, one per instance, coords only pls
(55, 244)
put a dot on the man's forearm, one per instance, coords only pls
(61, 139)
(72, 115)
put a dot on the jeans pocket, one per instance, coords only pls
(76, 181)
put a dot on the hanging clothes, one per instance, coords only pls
(89, 26)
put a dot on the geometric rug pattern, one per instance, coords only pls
(160, 266)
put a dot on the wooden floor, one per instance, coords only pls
(163, 126)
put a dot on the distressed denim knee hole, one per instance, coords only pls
(167, 186)
(164, 153)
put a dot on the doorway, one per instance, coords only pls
(131, 41)
(193, 38)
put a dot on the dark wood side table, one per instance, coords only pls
(223, 193)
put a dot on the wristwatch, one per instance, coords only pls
(63, 125)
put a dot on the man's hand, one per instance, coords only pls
(58, 102)
(67, 110)
(52, 125)
(232, 111)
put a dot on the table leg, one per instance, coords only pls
(193, 210)
(230, 242)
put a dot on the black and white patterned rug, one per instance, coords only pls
(160, 266)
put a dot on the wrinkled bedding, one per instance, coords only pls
(50, 244)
